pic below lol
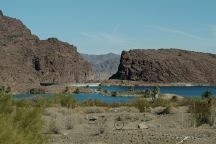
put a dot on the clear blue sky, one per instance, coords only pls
(102, 26)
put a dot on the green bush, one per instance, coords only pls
(36, 91)
(201, 112)
(20, 125)
(77, 91)
(141, 104)
(66, 89)
(174, 98)
(161, 102)
(114, 94)
(65, 100)
(208, 96)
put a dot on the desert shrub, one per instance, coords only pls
(91, 102)
(208, 96)
(77, 91)
(161, 102)
(156, 90)
(114, 94)
(19, 125)
(105, 91)
(5, 102)
(174, 98)
(69, 123)
(36, 91)
(65, 100)
(141, 104)
(41, 102)
(201, 112)
(147, 93)
(22, 103)
(66, 90)
(53, 128)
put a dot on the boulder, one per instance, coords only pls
(158, 110)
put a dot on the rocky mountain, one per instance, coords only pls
(27, 61)
(104, 66)
(167, 66)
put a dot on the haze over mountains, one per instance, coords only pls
(104, 65)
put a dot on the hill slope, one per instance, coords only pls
(27, 61)
(167, 66)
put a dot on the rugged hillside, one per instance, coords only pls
(104, 65)
(27, 61)
(167, 66)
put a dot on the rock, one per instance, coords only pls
(26, 61)
(1, 13)
(143, 125)
(167, 66)
(158, 110)
(92, 118)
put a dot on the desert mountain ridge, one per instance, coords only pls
(27, 61)
(167, 66)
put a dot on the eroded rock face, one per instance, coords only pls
(27, 61)
(167, 66)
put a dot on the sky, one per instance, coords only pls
(104, 26)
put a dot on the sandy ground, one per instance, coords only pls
(95, 125)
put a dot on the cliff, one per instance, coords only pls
(27, 61)
(167, 66)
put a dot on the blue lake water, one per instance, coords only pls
(191, 91)
(83, 97)
(178, 90)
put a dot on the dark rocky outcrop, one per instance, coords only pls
(167, 66)
(1, 13)
(27, 61)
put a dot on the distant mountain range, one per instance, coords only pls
(104, 65)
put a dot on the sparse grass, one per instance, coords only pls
(201, 112)
(69, 123)
(64, 100)
(53, 128)
(19, 124)
(91, 102)
(142, 104)
(161, 102)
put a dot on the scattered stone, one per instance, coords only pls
(143, 125)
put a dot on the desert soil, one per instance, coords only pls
(95, 125)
